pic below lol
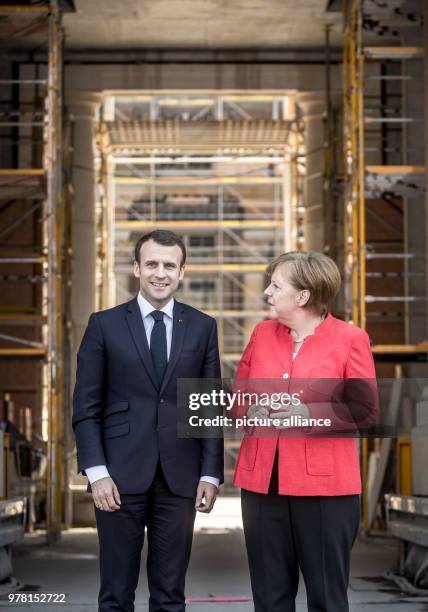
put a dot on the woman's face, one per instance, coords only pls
(283, 299)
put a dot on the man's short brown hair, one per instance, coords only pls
(315, 272)
(163, 237)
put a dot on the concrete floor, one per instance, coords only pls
(218, 569)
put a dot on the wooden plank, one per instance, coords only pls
(18, 317)
(14, 258)
(22, 10)
(24, 352)
(12, 172)
(393, 52)
(388, 170)
(400, 348)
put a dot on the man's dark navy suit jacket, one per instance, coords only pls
(121, 418)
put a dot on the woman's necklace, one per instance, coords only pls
(299, 340)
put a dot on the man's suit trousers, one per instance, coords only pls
(169, 520)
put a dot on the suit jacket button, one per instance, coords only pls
(162, 401)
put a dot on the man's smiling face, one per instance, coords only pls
(159, 271)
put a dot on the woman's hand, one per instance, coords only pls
(258, 412)
(286, 413)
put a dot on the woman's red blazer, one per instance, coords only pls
(311, 466)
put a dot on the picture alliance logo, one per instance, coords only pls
(293, 421)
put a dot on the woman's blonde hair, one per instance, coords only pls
(315, 272)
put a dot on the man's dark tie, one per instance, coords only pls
(158, 345)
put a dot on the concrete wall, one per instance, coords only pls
(304, 77)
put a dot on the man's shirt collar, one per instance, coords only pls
(146, 308)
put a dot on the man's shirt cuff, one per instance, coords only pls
(211, 480)
(96, 473)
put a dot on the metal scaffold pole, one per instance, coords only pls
(354, 161)
(361, 233)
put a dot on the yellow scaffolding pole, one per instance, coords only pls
(361, 175)
(354, 218)
(354, 204)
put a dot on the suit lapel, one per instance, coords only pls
(178, 333)
(136, 327)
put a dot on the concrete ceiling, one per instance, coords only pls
(199, 24)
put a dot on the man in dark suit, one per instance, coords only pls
(125, 422)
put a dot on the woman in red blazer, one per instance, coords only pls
(300, 496)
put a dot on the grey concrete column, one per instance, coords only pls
(313, 107)
(83, 109)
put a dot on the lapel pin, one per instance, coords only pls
(180, 320)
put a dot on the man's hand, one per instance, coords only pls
(105, 494)
(207, 492)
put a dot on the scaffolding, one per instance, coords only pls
(224, 171)
(385, 276)
(35, 297)
(383, 176)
